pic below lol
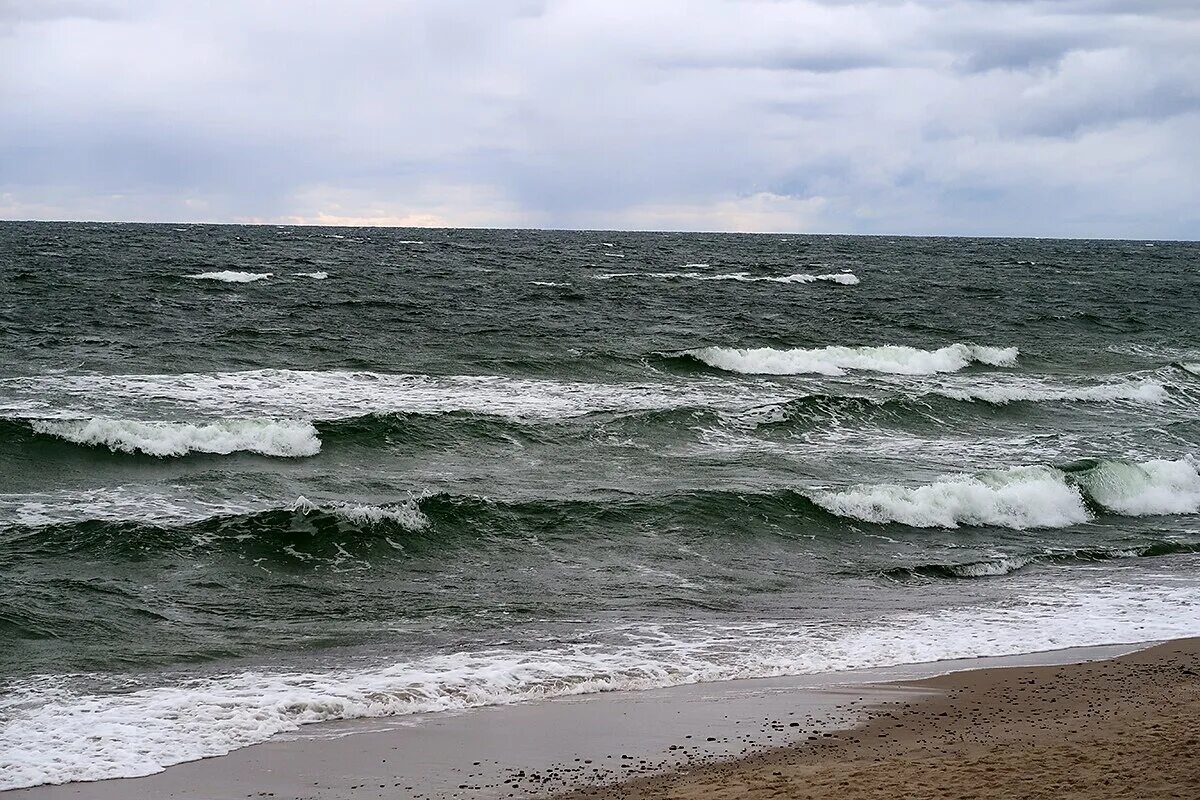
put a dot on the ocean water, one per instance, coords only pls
(257, 477)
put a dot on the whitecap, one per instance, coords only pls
(1150, 487)
(408, 513)
(231, 276)
(836, 360)
(1018, 498)
(1144, 391)
(285, 438)
(1025, 497)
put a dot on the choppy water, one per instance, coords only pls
(252, 477)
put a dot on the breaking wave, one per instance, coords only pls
(1026, 497)
(407, 514)
(232, 276)
(835, 360)
(1142, 391)
(283, 438)
(1018, 498)
(1150, 487)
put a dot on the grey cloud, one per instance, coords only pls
(948, 116)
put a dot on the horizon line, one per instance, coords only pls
(537, 229)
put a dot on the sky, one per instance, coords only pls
(1074, 118)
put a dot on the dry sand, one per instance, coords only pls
(1127, 728)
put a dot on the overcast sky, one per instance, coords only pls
(1057, 118)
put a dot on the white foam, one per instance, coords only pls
(1144, 391)
(1025, 497)
(336, 395)
(548, 283)
(1018, 498)
(1191, 367)
(410, 241)
(318, 276)
(53, 734)
(231, 276)
(408, 513)
(267, 437)
(1002, 565)
(844, 278)
(1151, 487)
(836, 360)
(124, 503)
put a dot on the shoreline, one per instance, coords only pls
(1117, 728)
(563, 745)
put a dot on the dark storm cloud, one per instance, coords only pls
(1075, 116)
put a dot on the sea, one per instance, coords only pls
(256, 477)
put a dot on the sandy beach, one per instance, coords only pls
(1128, 727)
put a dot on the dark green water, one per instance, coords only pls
(471, 467)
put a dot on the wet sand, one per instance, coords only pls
(694, 733)
(1125, 728)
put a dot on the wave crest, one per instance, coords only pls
(408, 514)
(1026, 497)
(1144, 391)
(836, 360)
(1019, 498)
(283, 438)
(1151, 487)
(232, 276)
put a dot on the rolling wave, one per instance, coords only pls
(325, 396)
(1018, 498)
(281, 438)
(407, 514)
(429, 414)
(1140, 391)
(1026, 497)
(835, 360)
(338, 394)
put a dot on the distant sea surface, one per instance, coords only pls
(256, 477)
